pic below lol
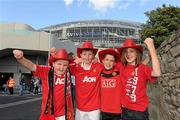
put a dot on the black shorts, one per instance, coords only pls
(134, 115)
(110, 116)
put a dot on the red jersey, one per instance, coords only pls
(110, 91)
(134, 84)
(59, 100)
(87, 86)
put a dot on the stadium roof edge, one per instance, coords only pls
(100, 21)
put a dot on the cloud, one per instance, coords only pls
(102, 5)
(68, 2)
(124, 6)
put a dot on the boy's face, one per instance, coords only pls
(87, 56)
(60, 66)
(108, 61)
(131, 55)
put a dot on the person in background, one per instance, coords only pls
(10, 84)
(31, 86)
(21, 86)
(36, 86)
(5, 88)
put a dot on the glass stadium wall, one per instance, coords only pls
(100, 36)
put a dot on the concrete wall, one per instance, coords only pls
(35, 44)
(22, 37)
(165, 94)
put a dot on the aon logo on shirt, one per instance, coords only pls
(59, 81)
(89, 79)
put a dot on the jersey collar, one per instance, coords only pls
(86, 68)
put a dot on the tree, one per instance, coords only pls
(161, 23)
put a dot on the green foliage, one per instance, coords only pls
(161, 23)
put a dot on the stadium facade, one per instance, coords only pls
(103, 33)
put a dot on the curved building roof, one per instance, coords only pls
(104, 23)
(22, 36)
(16, 26)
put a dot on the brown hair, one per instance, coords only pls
(138, 57)
(115, 58)
(87, 49)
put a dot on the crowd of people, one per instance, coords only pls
(35, 85)
(32, 85)
(110, 88)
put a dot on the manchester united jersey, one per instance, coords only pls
(110, 91)
(87, 86)
(59, 100)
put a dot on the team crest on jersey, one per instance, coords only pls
(89, 79)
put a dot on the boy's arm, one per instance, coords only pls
(156, 72)
(19, 55)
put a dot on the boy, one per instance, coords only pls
(60, 63)
(110, 85)
(87, 75)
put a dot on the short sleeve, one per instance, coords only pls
(41, 71)
(119, 66)
(100, 66)
(72, 68)
(148, 72)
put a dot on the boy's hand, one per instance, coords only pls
(78, 60)
(18, 54)
(53, 51)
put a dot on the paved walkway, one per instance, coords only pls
(15, 107)
(19, 102)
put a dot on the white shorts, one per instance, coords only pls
(61, 118)
(90, 115)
